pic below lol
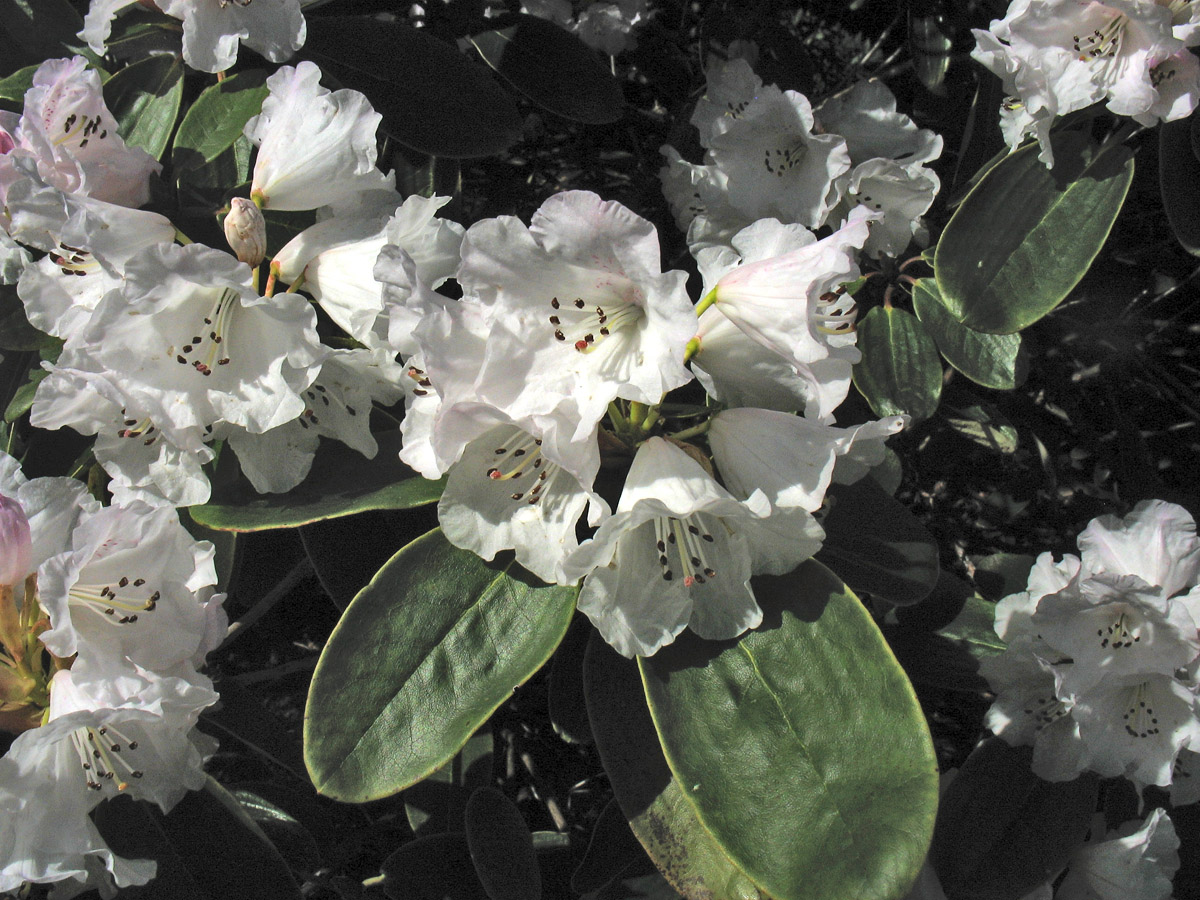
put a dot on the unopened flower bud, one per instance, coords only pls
(16, 548)
(246, 231)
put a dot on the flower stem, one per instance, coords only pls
(692, 432)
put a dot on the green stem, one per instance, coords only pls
(709, 299)
(651, 418)
(692, 432)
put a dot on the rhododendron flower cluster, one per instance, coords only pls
(769, 154)
(106, 613)
(1100, 669)
(1059, 56)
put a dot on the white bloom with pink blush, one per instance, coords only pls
(67, 128)
(791, 301)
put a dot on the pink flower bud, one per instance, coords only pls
(16, 548)
(246, 231)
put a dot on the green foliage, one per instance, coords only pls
(1026, 235)
(432, 98)
(501, 847)
(207, 848)
(13, 87)
(900, 372)
(554, 69)
(35, 30)
(984, 425)
(144, 99)
(437, 867)
(801, 744)
(1179, 177)
(439, 802)
(1001, 830)
(436, 629)
(341, 483)
(217, 119)
(992, 360)
(651, 798)
(875, 545)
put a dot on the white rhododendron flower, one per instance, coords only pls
(776, 166)
(212, 30)
(1099, 672)
(70, 133)
(191, 344)
(793, 303)
(866, 117)
(679, 551)
(523, 486)
(789, 458)
(1058, 56)
(316, 148)
(581, 288)
(1136, 860)
(109, 732)
(337, 256)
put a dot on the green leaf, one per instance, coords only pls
(13, 87)
(1001, 830)
(554, 69)
(432, 98)
(983, 424)
(1002, 574)
(217, 119)
(294, 842)
(992, 360)
(875, 545)
(1179, 178)
(437, 867)
(949, 657)
(144, 99)
(439, 802)
(565, 698)
(22, 400)
(501, 847)
(900, 372)
(206, 848)
(801, 745)
(613, 848)
(342, 482)
(35, 30)
(1025, 235)
(649, 796)
(420, 659)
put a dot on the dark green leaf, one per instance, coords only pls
(1025, 235)
(342, 482)
(948, 658)
(993, 360)
(437, 867)
(144, 99)
(1001, 830)
(425, 653)
(347, 551)
(983, 424)
(875, 545)
(554, 69)
(36, 30)
(568, 707)
(1002, 574)
(432, 98)
(206, 848)
(1179, 177)
(900, 372)
(439, 802)
(649, 796)
(13, 87)
(217, 119)
(22, 400)
(501, 847)
(611, 851)
(285, 832)
(801, 744)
